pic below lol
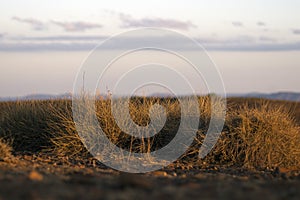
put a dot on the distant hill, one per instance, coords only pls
(38, 97)
(288, 96)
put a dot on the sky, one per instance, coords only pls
(255, 44)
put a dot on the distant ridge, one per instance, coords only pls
(287, 96)
(38, 97)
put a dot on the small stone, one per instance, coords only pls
(35, 176)
(160, 173)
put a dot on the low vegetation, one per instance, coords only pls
(257, 134)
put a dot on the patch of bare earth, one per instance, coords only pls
(45, 177)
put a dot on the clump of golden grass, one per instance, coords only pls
(265, 136)
(66, 141)
(5, 150)
(64, 137)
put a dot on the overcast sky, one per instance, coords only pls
(255, 44)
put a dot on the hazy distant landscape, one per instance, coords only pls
(288, 96)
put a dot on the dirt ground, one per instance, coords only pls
(44, 177)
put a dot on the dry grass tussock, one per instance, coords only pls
(68, 143)
(28, 123)
(5, 150)
(264, 136)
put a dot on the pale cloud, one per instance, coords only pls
(54, 46)
(78, 26)
(34, 23)
(267, 39)
(296, 31)
(130, 22)
(87, 43)
(260, 23)
(237, 24)
(61, 38)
